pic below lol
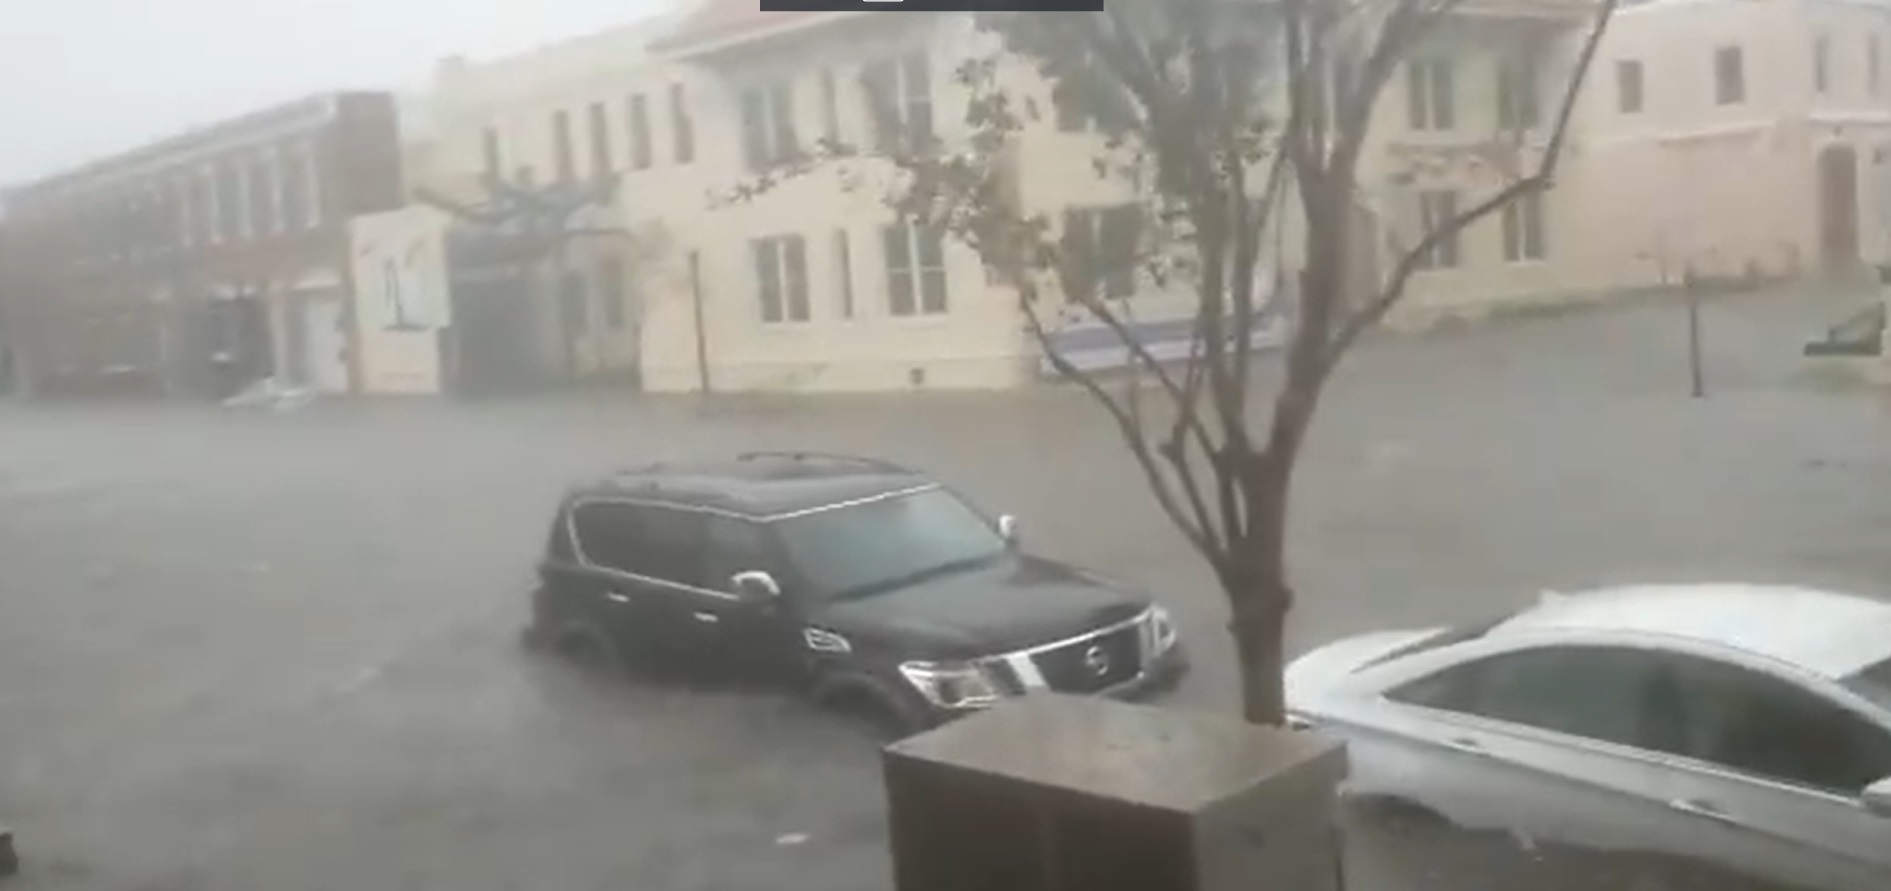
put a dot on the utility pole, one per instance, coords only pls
(1690, 286)
(702, 334)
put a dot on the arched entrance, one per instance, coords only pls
(1838, 206)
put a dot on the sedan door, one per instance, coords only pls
(1541, 742)
(1769, 777)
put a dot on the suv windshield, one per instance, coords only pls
(865, 548)
(1873, 683)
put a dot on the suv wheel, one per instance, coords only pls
(587, 648)
(886, 714)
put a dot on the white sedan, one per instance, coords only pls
(1745, 726)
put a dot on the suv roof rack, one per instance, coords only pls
(875, 463)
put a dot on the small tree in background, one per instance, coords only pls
(1233, 124)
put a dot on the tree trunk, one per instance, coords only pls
(1259, 627)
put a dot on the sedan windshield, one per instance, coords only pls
(1874, 683)
(866, 548)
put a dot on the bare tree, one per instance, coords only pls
(1234, 124)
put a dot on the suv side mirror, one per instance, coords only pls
(1877, 798)
(1008, 529)
(755, 585)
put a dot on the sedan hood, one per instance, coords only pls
(1016, 603)
(1311, 676)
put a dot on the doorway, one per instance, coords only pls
(1838, 206)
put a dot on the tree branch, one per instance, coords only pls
(1195, 525)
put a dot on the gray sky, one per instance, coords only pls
(85, 78)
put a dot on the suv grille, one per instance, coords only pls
(1073, 667)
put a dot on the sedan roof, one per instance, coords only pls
(1829, 634)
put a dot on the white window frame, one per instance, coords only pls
(1525, 233)
(1431, 85)
(791, 294)
(1435, 208)
(908, 98)
(213, 216)
(312, 199)
(1821, 63)
(844, 272)
(779, 139)
(917, 274)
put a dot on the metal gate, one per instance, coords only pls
(493, 348)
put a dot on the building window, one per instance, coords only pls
(600, 123)
(1100, 250)
(182, 196)
(1523, 228)
(1628, 86)
(1076, 112)
(1874, 66)
(768, 135)
(295, 184)
(562, 161)
(1821, 63)
(213, 210)
(1436, 209)
(1517, 94)
(316, 189)
(830, 107)
(262, 197)
(1431, 94)
(844, 272)
(781, 277)
(611, 291)
(244, 203)
(915, 269)
(640, 154)
(682, 128)
(1730, 76)
(900, 91)
(494, 156)
(230, 200)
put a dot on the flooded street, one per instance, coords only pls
(252, 650)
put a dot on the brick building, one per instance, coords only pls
(204, 261)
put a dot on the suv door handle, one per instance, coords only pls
(1707, 810)
(706, 618)
(617, 597)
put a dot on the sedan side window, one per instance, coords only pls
(1767, 727)
(1598, 693)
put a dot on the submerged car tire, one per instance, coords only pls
(1403, 816)
(886, 713)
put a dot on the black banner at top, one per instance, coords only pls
(933, 5)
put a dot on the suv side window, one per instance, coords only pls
(734, 546)
(1762, 726)
(1593, 692)
(663, 543)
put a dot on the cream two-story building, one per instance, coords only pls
(813, 285)
(1741, 139)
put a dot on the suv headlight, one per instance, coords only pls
(1158, 632)
(952, 684)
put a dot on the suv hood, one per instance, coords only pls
(1016, 603)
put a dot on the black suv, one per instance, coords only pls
(864, 582)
